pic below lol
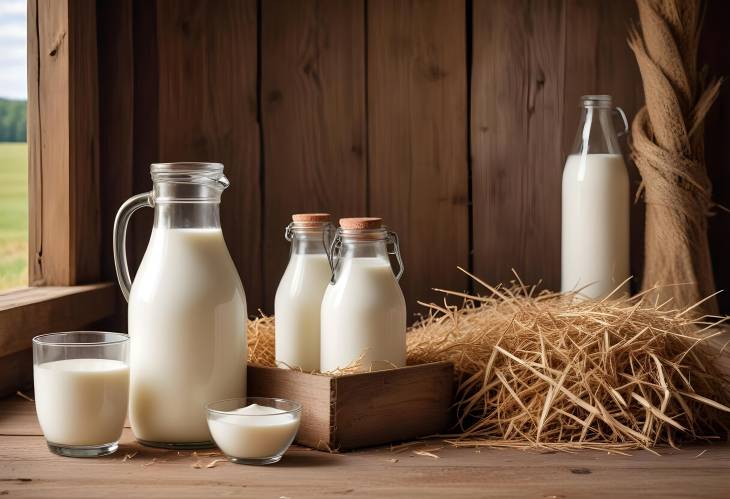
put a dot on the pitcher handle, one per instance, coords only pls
(622, 115)
(120, 238)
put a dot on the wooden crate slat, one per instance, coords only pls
(393, 405)
(313, 392)
(359, 410)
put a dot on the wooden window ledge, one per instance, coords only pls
(27, 312)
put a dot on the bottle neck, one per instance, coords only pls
(363, 249)
(596, 132)
(170, 215)
(350, 245)
(309, 242)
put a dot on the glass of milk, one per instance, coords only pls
(363, 310)
(254, 430)
(595, 205)
(81, 383)
(300, 292)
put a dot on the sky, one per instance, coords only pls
(13, 49)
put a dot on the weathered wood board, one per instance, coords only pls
(28, 469)
(361, 410)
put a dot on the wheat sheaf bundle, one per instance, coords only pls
(551, 370)
(540, 369)
(668, 149)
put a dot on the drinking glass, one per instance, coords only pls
(81, 383)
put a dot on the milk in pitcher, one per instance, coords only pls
(187, 322)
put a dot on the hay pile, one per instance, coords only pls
(547, 370)
(260, 337)
(544, 369)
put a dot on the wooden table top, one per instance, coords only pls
(28, 469)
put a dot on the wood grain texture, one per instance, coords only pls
(391, 406)
(35, 150)
(64, 239)
(517, 161)
(116, 126)
(313, 114)
(16, 372)
(145, 122)
(27, 312)
(85, 220)
(417, 137)
(208, 112)
(598, 61)
(714, 54)
(359, 410)
(28, 469)
(313, 392)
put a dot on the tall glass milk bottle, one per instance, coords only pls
(363, 310)
(595, 218)
(299, 295)
(187, 308)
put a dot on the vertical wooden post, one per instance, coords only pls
(64, 242)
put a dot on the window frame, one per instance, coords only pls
(65, 290)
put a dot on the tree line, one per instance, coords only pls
(13, 120)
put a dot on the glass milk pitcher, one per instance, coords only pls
(595, 218)
(363, 309)
(187, 308)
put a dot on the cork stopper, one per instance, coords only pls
(311, 217)
(362, 223)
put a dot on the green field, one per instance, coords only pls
(13, 215)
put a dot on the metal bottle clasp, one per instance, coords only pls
(392, 240)
(392, 247)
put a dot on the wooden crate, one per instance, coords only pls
(360, 410)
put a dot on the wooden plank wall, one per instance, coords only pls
(714, 53)
(313, 114)
(449, 118)
(417, 129)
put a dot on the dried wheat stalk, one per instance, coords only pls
(545, 369)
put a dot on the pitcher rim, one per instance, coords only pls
(186, 167)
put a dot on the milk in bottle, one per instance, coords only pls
(363, 310)
(187, 309)
(299, 295)
(595, 206)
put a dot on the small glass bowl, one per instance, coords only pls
(254, 437)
